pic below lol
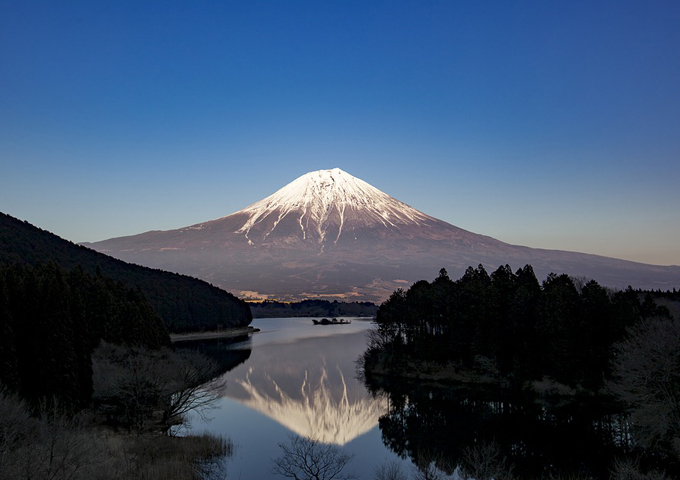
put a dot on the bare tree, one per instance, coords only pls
(16, 428)
(429, 471)
(432, 466)
(53, 446)
(133, 385)
(308, 459)
(630, 470)
(646, 373)
(390, 471)
(485, 462)
(63, 450)
(196, 387)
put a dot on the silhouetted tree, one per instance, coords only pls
(507, 326)
(132, 383)
(309, 459)
(468, 339)
(556, 328)
(389, 471)
(646, 377)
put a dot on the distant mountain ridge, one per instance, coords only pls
(184, 303)
(330, 235)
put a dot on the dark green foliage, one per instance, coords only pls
(556, 328)
(509, 326)
(8, 354)
(184, 303)
(52, 320)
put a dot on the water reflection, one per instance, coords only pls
(306, 381)
(540, 439)
(221, 351)
(303, 378)
(296, 378)
(316, 407)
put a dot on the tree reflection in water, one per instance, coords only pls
(539, 439)
(218, 350)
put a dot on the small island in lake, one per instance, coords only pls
(334, 321)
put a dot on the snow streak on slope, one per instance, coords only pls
(327, 198)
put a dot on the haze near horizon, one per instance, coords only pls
(546, 125)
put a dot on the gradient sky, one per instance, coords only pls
(540, 123)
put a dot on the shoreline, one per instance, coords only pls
(447, 375)
(227, 333)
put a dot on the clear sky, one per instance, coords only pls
(551, 124)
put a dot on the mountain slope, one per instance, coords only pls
(330, 234)
(184, 303)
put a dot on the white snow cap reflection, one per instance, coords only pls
(329, 411)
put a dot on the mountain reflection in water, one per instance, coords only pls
(318, 406)
(294, 377)
(303, 377)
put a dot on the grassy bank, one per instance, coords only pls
(49, 443)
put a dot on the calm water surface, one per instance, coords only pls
(298, 378)
(295, 378)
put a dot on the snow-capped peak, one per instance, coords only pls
(323, 201)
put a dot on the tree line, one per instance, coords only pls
(51, 321)
(184, 303)
(562, 336)
(312, 308)
(509, 325)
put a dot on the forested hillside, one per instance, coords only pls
(51, 321)
(184, 303)
(509, 327)
(80, 354)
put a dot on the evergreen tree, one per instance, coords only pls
(8, 358)
(557, 333)
(595, 325)
(510, 325)
(501, 322)
(473, 325)
(52, 320)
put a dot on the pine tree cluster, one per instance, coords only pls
(52, 319)
(509, 324)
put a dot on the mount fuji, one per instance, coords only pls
(330, 235)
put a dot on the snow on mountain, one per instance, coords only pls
(331, 235)
(320, 203)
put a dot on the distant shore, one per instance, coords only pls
(226, 333)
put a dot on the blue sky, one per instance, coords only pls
(547, 124)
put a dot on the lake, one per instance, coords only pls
(295, 378)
